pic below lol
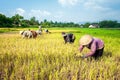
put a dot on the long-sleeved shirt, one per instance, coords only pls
(96, 44)
(69, 38)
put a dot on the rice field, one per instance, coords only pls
(48, 58)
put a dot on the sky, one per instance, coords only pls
(63, 10)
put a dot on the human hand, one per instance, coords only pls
(83, 56)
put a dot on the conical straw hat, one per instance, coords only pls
(64, 34)
(85, 40)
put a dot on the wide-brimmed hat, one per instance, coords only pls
(85, 40)
(64, 34)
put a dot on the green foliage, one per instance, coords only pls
(109, 24)
(50, 24)
(5, 21)
(33, 21)
(86, 25)
(19, 21)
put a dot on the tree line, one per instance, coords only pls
(19, 21)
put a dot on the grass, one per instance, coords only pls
(48, 58)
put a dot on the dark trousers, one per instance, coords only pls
(98, 53)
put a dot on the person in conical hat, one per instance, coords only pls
(95, 45)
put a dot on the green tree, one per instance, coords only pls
(17, 20)
(33, 21)
(86, 25)
(45, 23)
(25, 23)
(109, 24)
(5, 21)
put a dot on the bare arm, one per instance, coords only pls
(81, 48)
(92, 50)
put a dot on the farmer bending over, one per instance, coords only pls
(95, 45)
(68, 37)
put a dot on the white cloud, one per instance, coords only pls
(68, 2)
(20, 11)
(95, 6)
(39, 13)
(59, 14)
(1, 13)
